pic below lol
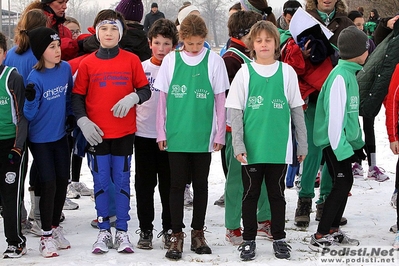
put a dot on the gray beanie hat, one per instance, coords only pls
(352, 42)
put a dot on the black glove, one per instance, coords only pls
(14, 156)
(360, 154)
(30, 92)
(70, 123)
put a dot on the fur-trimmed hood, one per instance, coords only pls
(340, 6)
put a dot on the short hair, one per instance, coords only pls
(193, 25)
(112, 15)
(236, 6)
(290, 7)
(354, 14)
(165, 28)
(270, 29)
(240, 23)
(3, 42)
(71, 20)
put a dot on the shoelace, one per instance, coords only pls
(283, 246)
(103, 235)
(12, 248)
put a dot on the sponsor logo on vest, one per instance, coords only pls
(255, 102)
(201, 94)
(354, 103)
(4, 100)
(179, 91)
(278, 104)
(10, 177)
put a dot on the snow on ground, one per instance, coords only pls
(368, 212)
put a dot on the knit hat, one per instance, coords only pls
(352, 42)
(46, 1)
(154, 5)
(131, 9)
(40, 39)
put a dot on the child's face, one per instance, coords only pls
(2, 55)
(194, 44)
(52, 55)
(74, 28)
(264, 46)
(108, 35)
(160, 46)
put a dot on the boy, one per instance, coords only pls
(150, 161)
(339, 135)
(109, 84)
(13, 133)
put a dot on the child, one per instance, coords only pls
(47, 106)
(391, 112)
(13, 131)
(109, 83)
(190, 125)
(237, 54)
(264, 96)
(150, 161)
(339, 135)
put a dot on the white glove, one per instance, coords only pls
(91, 131)
(122, 107)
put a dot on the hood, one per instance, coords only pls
(340, 6)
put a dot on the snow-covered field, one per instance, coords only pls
(368, 212)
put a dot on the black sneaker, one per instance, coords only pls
(247, 250)
(145, 241)
(166, 235)
(281, 249)
(14, 252)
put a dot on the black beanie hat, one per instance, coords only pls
(46, 1)
(352, 42)
(40, 39)
(154, 5)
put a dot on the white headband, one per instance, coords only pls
(112, 22)
(185, 11)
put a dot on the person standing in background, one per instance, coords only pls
(151, 17)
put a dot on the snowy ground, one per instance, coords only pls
(368, 212)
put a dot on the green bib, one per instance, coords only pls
(8, 119)
(266, 118)
(190, 108)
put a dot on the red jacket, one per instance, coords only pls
(392, 107)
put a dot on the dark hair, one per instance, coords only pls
(267, 12)
(165, 28)
(112, 15)
(240, 23)
(3, 42)
(354, 14)
(290, 7)
(236, 6)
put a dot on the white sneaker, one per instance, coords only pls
(122, 242)
(60, 241)
(234, 236)
(36, 228)
(47, 247)
(82, 188)
(377, 173)
(357, 170)
(72, 193)
(188, 198)
(396, 241)
(394, 199)
(70, 205)
(103, 243)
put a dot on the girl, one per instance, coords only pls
(190, 125)
(46, 108)
(264, 96)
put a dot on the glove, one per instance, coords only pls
(70, 123)
(92, 133)
(360, 154)
(30, 92)
(14, 156)
(122, 107)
